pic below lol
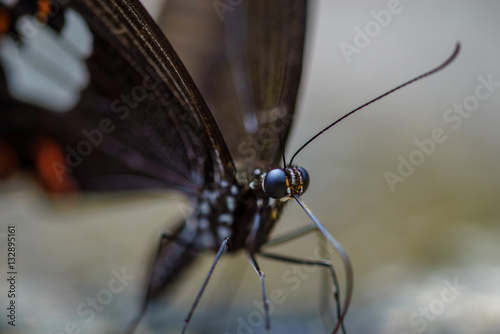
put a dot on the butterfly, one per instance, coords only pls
(94, 96)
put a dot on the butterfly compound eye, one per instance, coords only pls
(275, 184)
(304, 179)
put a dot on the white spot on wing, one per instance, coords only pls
(204, 208)
(224, 232)
(225, 218)
(204, 223)
(234, 190)
(231, 203)
(44, 71)
(211, 195)
(250, 122)
(76, 30)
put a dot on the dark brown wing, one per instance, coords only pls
(252, 56)
(150, 121)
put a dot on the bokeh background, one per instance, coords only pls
(438, 227)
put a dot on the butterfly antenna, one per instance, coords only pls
(343, 254)
(282, 151)
(437, 69)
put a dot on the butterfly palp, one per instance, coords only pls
(284, 183)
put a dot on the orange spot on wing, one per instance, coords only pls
(4, 21)
(49, 161)
(44, 10)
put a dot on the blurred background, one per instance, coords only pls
(424, 251)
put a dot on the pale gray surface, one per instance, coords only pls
(440, 224)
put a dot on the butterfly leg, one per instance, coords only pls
(324, 301)
(322, 263)
(264, 295)
(222, 248)
(290, 236)
(341, 252)
(325, 304)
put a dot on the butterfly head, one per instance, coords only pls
(283, 183)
